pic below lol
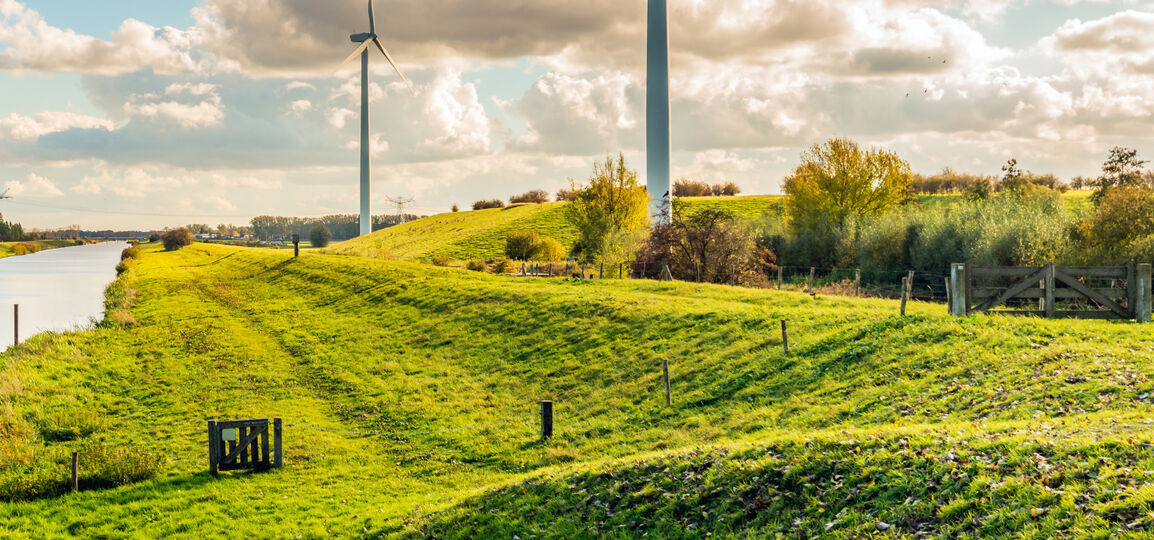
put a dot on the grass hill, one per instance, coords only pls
(923, 425)
(481, 234)
(9, 249)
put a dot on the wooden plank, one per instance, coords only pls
(264, 448)
(226, 424)
(1048, 302)
(1092, 294)
(1115, 272)
(1059, 292)
(278, 455)
(242, 435)
(254, 448)
(1012, 291)
(241, 447)
(979, 272)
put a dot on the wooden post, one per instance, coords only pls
(779, 277)
(601, 273)
(1144, 294)
(546, 420)
(583, 275)
(1048, 301)
(75, 472)
(857, 282)
(213, 448)
(905, 293)
(665, 376)
(296, 245)
(949, 299)
(809, 285)
(785, 337)
(958, 290)
(621, 271)
(277, 460)
(15, 324)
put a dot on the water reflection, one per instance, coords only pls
(57, 289)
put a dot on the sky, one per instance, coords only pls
(126, 114)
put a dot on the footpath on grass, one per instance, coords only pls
(412, 392)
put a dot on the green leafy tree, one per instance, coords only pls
(611, 203)
(838, 180)
(522, 245)
(1121, 169)
(549, 250)
(175, 239)
(320, 236)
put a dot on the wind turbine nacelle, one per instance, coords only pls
(361, 38)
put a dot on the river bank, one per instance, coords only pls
(12, 249)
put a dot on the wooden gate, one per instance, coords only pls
(1112, 292)
(236, 445)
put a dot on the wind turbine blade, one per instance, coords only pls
(372, 19)
(394, 64)
(351, 56)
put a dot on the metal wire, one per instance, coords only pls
(422, 432)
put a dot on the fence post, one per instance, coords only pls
(1144, 294)
(809, 284)
(665, 377)
(949, 299)
(75, 472)
(905, 294)
(785, 336)
(958, 292)
(601, 273)
(779, 277)
(213, 445)
(621, 271)
(546, 420)
(1049, 306)
(278, 461)
(857, 282)
(15, 324)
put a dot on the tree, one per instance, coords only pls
(838, 180)
(456, 209)
(549, 250)
(535, 196)
(491, 203)
(565, 195)
(1011, 176)
(522, 245)
(708, 245)
(612, 202)
(1121, 169)
(320, 235)
(1121, 217)
(175, 239)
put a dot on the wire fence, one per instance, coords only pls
(472, 427)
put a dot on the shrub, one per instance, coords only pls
(726, 189)
(122, 267)
(1142, 249)
(684, 187)
(320, 235)
(708, 245)
(130, 253)
(440, 260)
(477, 266)
(549, 250)
(535, 196)
(1123, 215)
(565, 194)
(502, 266)
(456, 208)
(491, 203)
(154, 238)
(522, 245)
(175, 239)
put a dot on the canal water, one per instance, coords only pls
(57, 289)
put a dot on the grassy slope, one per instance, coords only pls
(481, 234)
(986, 425)
(6, 248)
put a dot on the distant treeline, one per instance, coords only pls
(343, 226)
(11, 232)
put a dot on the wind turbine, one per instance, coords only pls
(657, 111)
(365, 40)
(5, 195)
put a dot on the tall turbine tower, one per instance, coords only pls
(365, 40)
(657, 111)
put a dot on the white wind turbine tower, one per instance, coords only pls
(657, 111)
(365, 40)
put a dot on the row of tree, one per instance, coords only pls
(11, 232)
(341, 227)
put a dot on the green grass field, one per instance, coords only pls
(481, 234)
(923, 425)
(9, 249)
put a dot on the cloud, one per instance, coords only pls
(34, 186)
(35, 45)
(131, 182)
(28, 128)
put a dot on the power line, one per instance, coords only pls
(118, 212)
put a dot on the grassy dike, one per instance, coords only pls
(876, 424)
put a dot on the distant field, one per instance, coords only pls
(481, 234)
(876, 425)
(9, 249)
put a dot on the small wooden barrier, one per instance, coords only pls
(1124, 292)
(237, 445)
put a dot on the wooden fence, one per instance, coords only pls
(1112, 292)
